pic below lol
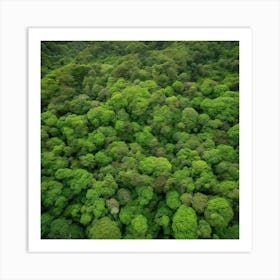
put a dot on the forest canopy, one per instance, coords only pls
(140, 140)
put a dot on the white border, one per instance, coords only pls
(243, 35)
(16, 263)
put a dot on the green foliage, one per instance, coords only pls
(218, 212)
(100, 116)
(87, 160)
(124, 196)
(155, 166)
(140, 140)
(199, 202)
(190, 118)
(113, 206)
(207, 87)
(227, 153)
(186, 199)
(102, 159)
(184, 223)
(46, 220)
(104, 228)
(139, 225)
(198, 167)
(145, 138)
(228, 189)
(145, 194)
(77, 232)
(127, 213)
(204, 229)
(233, 134)
(48, 118)
(117, 150)
(172, 200)
(51, 162)
(98, 208)
(178, 86)
(97, 138)
(60, 229)
(223, 108)
(75, 122)
(212, 156)
(81, 179)
(85, 219)
(231, 232)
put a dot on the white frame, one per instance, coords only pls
(243, 35)
(16, 263)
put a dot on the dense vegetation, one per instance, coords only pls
(140, 140)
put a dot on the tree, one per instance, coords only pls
(97, 138)
(81, 180)
(86, 218)
(77, 232)
(100, 116)
(233, 135)
(81, 146)
(222, 108)
(113, 206)
(127, 213)
(145, 194)
(80, 104)
(204, 229)
(52, 197)
(218, 212)
(46, 220)
(198, 167)
(87, 160)
(104, 228)
(105, 188)
(190, 118)
(172, 200)
(51, 162)
(231, 232)
(60, 229)
(49, 118)
(145, 138)
(199, 202)
(184, 223)
(56, 145)
(181, 180)
(185, 157)
(212, 156)
(228, 189)
(64, 174)
(78, 123)
(186, 199)
(206, 182)
(227, 153)
(102, 158)
(73, 211)
(178, 86)
(155, 166)
(99, 209)
(207, 87)
(118, 101)
(124, 196)
(172, 102)
(139, 226)
(117, 150)
(131, 179)
(227, 171)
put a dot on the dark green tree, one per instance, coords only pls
(104, 228)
